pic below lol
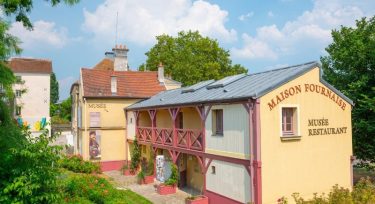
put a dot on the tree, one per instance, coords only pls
(28, 165)
(61, 112)
(190, 58)
(350, 66)
(54, 85)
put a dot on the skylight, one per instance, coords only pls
(225, 81)
(197, 86)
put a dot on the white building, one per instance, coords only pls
(32, 92)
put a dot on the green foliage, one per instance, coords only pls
(76, 164)
(81, 188)
(363, 193)
(54, 89)
(61, 112)
(141, 175)
(350, 67)
(20, 9)
(173, 179)
(92, 187)
(28, 169)
(191, 58)
(135, 156)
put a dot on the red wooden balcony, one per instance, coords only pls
(181, 138)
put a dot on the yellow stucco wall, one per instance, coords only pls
(112, 127)
(312, 163)
(194, 176)
(163, 119)
(191, 119)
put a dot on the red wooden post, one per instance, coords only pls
(174, 112)
(152, 114)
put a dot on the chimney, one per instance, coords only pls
(161, 73)
(120, 53)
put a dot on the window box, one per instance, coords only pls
(163, 189)
(200, 199)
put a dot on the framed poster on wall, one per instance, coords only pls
(95, 151)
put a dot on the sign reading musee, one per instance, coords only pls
(97, 105)
(319, 127)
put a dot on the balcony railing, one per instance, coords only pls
(179, 138)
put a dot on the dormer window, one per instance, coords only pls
(113, 84)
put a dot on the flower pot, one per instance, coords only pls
(163, 189)
(146, 180)
(127, 172)
(201, 199)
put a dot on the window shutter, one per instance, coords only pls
(94, 119)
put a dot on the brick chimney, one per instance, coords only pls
(161, 73)
(120, 53)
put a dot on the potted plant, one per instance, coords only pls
(126, 170)
(135, 158)
(146, 175)
(198, 199)
(169, 186)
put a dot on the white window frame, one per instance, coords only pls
(18, 93)
(113, 84)
(297, 132)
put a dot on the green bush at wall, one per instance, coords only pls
(76, 164)
(363, 193)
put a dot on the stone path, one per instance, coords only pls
(147, 191)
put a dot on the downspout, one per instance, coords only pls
(251, 136)
(126, 137)
(85, 134)
(257, 164)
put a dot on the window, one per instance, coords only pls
(18, 110)
(213, 170)
(113, 84)
(94, 119)
(289, 121)
(18, 79)
(18, 93)
(217, 122)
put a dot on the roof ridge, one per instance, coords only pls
(30, 58)
(282, 68)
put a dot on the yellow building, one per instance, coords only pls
(98, 99)
(252, 137)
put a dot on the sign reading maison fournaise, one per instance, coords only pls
(320, 127)
(313, 88)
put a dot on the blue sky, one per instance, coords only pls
(260, 35)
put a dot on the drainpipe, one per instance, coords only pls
(126, 137)
(257, 164)
(85, 133)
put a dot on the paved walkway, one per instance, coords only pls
(148, 191)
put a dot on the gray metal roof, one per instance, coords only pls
(237, 87)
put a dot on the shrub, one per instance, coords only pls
(92, 187)
(135, 157)
(88, 188)
(363, 192)
(173, 179)
(76, 164)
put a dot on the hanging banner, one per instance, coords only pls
(95, 152)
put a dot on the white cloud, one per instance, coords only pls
(254, 48)
(44, 34)
(244, 17)
(139, 21)
(270, 14)
(311, 30)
